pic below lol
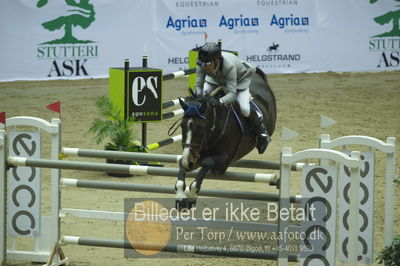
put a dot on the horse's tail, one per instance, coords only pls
(261, 74)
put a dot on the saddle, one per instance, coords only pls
(245, 128)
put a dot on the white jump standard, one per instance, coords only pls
(289, 162)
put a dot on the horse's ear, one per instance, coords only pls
(191, 92)
(183, 104)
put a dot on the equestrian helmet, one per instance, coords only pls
(208, 53)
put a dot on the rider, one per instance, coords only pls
(216, 68)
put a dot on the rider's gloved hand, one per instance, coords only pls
(215, 102)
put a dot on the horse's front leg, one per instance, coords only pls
(181, 201)
(194, 188)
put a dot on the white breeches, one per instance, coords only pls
(242, 97)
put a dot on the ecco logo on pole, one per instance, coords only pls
(145, 95)
(24, 196)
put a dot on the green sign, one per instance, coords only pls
(142, 100)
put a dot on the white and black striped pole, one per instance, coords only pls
(171, 103)
(207, 192)
(172, 113)
(174, 248)
(167, 158)
(137, 169)
(179, 74)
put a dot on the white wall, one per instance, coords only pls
(313, 35)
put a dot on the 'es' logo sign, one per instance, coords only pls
(145, 95)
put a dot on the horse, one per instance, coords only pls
(273, 47)
(213, 138)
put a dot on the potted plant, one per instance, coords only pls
(390, 255)
(117, 130)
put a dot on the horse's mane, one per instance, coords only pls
(200, 106)
(199, 99)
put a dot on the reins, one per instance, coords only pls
(174, 127)
(203, 145)
(214, 125)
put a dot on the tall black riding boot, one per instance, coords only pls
(263, 139)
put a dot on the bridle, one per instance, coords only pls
(196, 113)
(203, 146)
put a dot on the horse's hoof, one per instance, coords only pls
(191, 203)
(181, 204)
(191, 194)
(262, 143)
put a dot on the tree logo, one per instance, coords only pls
(390, 17)
(81, 13)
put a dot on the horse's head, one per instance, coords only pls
(196, 126)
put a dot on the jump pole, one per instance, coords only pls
(164, 142)
(231, 194)
(136, 169)
(179, 74)
(172, 114)
(174, 248)
(171, 103)
(168, 158)
(175, 220)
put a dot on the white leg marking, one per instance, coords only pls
(191, 192)
(180, 193)
(186, 150)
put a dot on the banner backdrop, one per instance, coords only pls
(69, 39)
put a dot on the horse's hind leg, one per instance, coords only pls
(181, 201)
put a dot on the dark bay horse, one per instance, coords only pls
(212, 138)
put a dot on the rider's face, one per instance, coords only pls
(209, 68)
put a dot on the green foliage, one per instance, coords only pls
(114, 128)
(390, 255)
(81, 13)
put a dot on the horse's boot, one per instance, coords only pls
(263, 139)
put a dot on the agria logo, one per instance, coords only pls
(186, 23)
(387, 43)
(68, 53)
(290, 23)
(239, 24)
